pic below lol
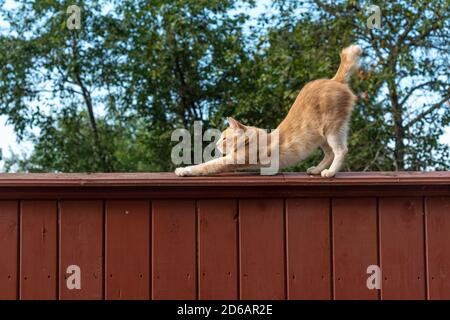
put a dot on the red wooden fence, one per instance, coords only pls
(290, 236)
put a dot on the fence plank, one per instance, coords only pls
(9, 244)
(355, 247)
(81, 244)
(127, 249)
(438, 226)
(402, 248)
(262, 249)
(38, 250)
(308, 241)
(174, 250)
(217, 249)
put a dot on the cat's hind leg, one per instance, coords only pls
(326, 161)
(338, 143)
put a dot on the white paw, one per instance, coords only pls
(327, 173)
(312, 170)
(183, 172)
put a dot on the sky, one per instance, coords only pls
(8, 141)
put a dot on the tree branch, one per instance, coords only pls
(369, 165)
(90, 108)
(413, 89)
(428, 111)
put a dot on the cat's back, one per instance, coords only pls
(321, 104)
(326, 91)
(323, 97)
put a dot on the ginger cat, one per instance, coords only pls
(319, 117)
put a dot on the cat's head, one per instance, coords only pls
(232, 134)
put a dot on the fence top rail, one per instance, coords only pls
(223, 180)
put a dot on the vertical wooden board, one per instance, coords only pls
(308, 242)
(81, 244)
(262, 249)
(9, 248)
(402, 248)
(438, 232)
(217, 248)
(355, 247)
(174, 250)
(127, 250)
(38, 250)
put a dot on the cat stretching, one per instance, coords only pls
(319, 117)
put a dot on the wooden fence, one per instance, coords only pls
(290, 236)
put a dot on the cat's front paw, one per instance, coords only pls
(312, 170)
(327, 173)
(184, 172)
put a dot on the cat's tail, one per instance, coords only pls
(349, 63)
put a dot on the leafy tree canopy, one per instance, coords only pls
(108, 96)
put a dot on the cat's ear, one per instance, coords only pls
(236, 125)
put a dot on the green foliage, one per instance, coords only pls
(107, 97)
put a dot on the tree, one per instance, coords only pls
(405, 61)
(108, 96)
(407, 70)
